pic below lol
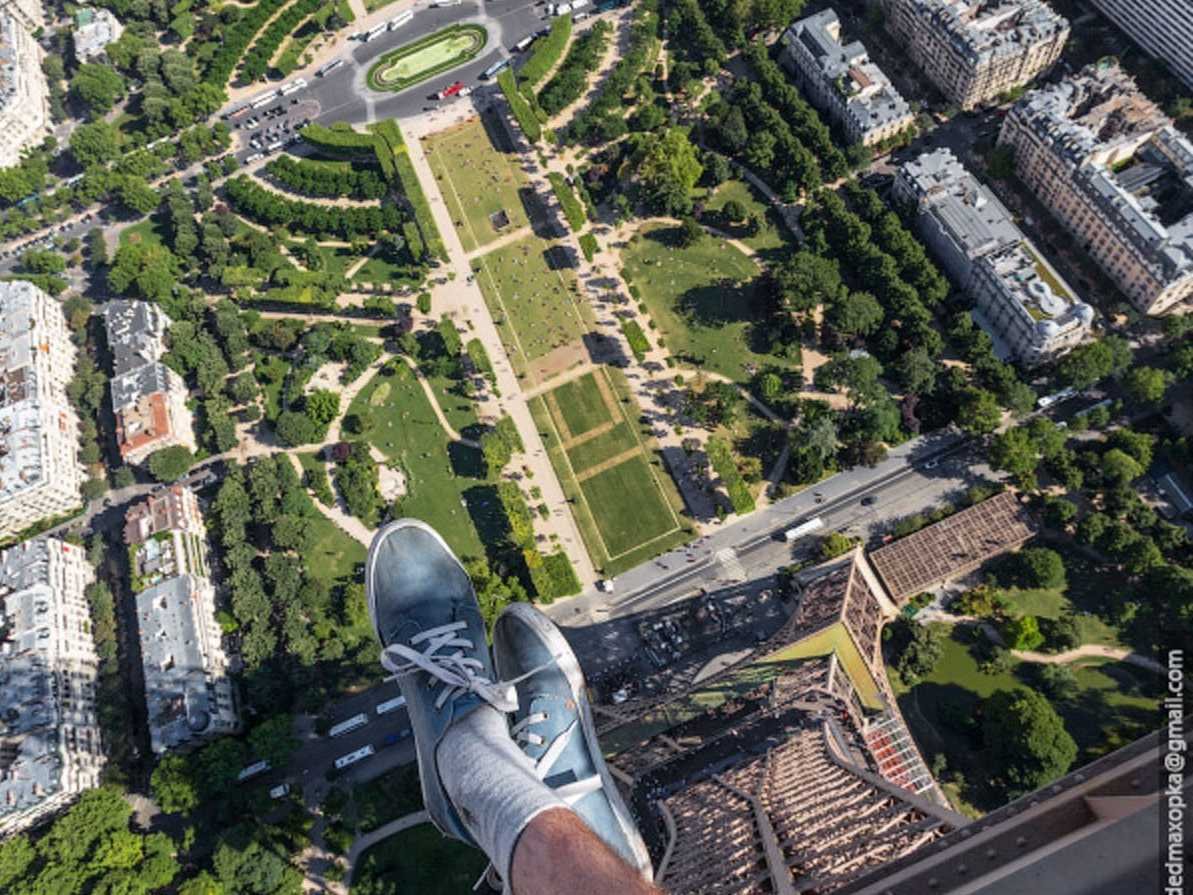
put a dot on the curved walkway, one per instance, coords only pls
(361, 844)
(1096, 650)
(430, 393)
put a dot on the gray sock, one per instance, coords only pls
(491, 783)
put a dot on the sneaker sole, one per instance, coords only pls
(560, 648)
(370, 560)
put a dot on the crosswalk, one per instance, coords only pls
(730, 564)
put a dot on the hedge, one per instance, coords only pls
(546, 52)
(588, 245)
(259, 204)
(339, 139)
(480, 360)
(639, 344)
(721, 456)
(554, 577)
(391, 57)
(568, 83)
(399, 156)
(523, 113)
(326, 179)
(234, 40)
(573, 210)
(256, 61)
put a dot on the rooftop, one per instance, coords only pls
(136, 334)
(23, 399)
(986, 29)
(869, 96)
(952, 546)
(31, 713)
(176, 667)
(1126, 155)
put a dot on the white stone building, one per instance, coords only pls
(24, 93)
(1020, 299)
(40, 475)
(50, 748)
(1116, 173)
(148, 398)
(188, 693)
(975, 50)
(841, 79)
(94, 30)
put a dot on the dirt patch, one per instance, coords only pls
(558, 360)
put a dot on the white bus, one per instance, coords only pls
(493, 69)
(353, 757)
(373, 32)
(400, 19)
(257, 767)
(330, 67)
(264, 99)
(296, 84)
(390, 705)
(354, 723)
(804, 528)
(524, 43)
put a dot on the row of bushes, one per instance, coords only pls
(327, 179)
(639, 344)
(551, 576)
(589, 246)
(256, 61)
(567, 84)
(339, 139)
(720, 454)
(407, 182)
(259, 204)
(592, 122)
(573, 209)
(546, 52)
(236, 39)
(519, 105)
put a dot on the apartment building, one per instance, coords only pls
(30, 13)
(94, 30)
(1115, 172)
(148, 398)
(1020, 300)
(1164, 28)
(840, 79)
(50, 749)
(24, 94)
(975, 50)
(40, 475)
(188, 693)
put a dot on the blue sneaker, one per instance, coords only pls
(553, 725)
(425, 613)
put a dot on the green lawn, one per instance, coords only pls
(627, 512)
(1089, 593)
(274, 368)
(378, 268)
(703, 299)
(477, 181)
(1115, 704)
(460, 411)
(146, 231)
(532, 304)
(335, 554)
(412, 63)
(418, 860)
(336, 259)
(405, 429)
(773, 237)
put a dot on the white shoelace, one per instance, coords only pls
(457, 670)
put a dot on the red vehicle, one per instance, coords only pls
(451, 90)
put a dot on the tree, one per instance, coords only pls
(170, 463)
(1093, 361)
(95, 143)
(97, 86)
(294, 428)
(1146, 385)
(322, 406)
(273, 740)
(1035, 567)
(690, 232)
(143, 270)
(1060, 634)
(1026, 739)
(978, 412)
(1120, 468)
(835, 544)
(1000, 162)
(1022, 633)
(856, 314)
(921, 651)
(173, 787)
(1058, 681)
(1059, 512)
(668, 169)
(804, 280)
(915, 370)
(1015, 452)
